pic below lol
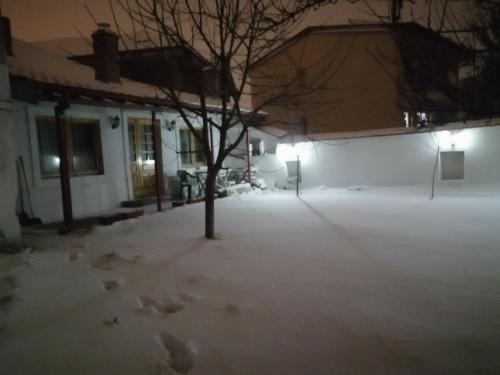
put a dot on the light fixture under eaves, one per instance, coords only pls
(115, 122)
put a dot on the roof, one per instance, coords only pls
(177, 68)
(52, 72)
(407, 27)
(81, 47)
(36, 64)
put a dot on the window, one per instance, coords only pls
(84, 146)
(141, 140)
(256, 147)
(191, 148)
(452, 165)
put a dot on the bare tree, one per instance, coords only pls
(434, 51)
(229, 35)
(457, 54)
(451, 66)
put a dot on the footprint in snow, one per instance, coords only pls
(190, 297)
(112, 284)
(180, 356)
(73, 257)
(230, 308)
(109, 261)
(169, 306)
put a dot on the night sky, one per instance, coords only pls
(34, 20)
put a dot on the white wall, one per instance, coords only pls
(90, 194)
(9, 226)
(394, 160)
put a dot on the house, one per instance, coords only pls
(371, 104)
(359, 77)
(91, 123)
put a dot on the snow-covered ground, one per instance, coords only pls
(341, 281)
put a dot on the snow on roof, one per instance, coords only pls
(67, 47)
(388, 131)
(38, 64)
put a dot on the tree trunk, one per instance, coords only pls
(210, 202)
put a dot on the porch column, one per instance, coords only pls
(158, 160)
(62, 143)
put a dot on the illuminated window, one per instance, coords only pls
(84, 146)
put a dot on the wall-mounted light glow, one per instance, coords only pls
(288, 151)
(454, 139)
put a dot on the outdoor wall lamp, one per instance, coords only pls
(114, 121)
(170, 125)
(454, 139)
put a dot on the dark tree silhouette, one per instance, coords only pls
(484, 24)
(229, 35)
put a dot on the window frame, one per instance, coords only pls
(95, 123)
(193, 150)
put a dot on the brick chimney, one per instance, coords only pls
(105, 43)
(6, 36)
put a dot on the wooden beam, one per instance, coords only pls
(62, 143)
(158, 160)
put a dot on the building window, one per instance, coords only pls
(256, 147)
(191, 149)
(84, 146)
(452, 165)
